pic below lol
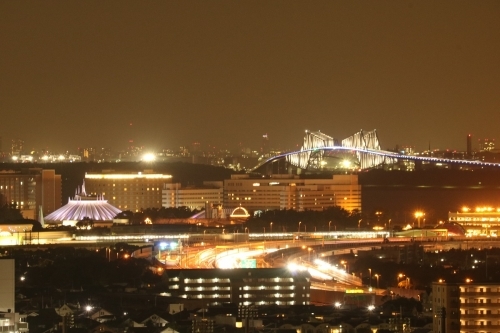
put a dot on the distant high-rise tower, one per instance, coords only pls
(265, 144)
(17, 146)
(469, 146)
(131, 137)
(195, 148)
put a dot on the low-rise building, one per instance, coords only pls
(265, 286)
(481, 221)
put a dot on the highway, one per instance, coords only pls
(295, 254)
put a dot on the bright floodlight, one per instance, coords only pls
(371, 307)
(346, 163)
(88, 308)
(149, 157)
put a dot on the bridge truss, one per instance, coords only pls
(313, 150)
(367, 141)
(311, 154)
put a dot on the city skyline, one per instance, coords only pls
(78, 74)
(17, 148)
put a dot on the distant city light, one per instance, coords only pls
(149, 157)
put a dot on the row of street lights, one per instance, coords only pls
(400, 276)
(376, 275)
(418, 216)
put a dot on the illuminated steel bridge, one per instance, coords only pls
(362, 147)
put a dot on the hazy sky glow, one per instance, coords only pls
(77, 73)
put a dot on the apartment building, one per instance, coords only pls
(467, 307)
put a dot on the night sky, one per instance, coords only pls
(78, 73)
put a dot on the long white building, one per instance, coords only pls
(481, 221)
(292, 192)
(275, 192)
(174, 195)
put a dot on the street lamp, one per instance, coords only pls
(271, 227)
(418, 216)
(329, 225)
(359, 223)
(377, 276)
(299, 225)
(370, 270)
(343, 262)
(88, 308)
(400, 276)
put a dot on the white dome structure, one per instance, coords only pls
(83, 206)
